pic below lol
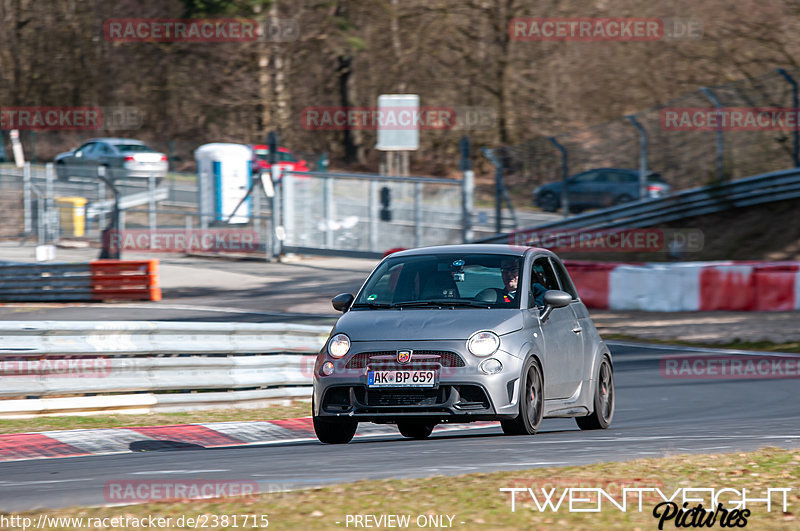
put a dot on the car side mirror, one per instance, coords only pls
(342, 302)
(554, 298)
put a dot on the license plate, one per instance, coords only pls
(401, 379)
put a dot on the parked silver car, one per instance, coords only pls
(120, 158)
(462, 333)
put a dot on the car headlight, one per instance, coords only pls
(339, 345)
(483, 343)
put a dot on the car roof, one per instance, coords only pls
(485, 248)
(621, 170)
(116, 141)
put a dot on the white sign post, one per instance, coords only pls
(16, 148)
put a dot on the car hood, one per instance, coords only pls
(427, 324)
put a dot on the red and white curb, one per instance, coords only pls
(75, 443)
(688, 286)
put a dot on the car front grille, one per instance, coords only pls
(420, 359)
(358, 399)
(402, 397)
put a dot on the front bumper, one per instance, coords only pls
(462, 393)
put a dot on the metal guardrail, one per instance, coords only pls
(50, 282)
(166, 365)
(759, 189)
(97, 280)
(126, 202)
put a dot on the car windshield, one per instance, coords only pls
(134, 148)
(443, 280)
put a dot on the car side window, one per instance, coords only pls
(542, 279)
(586, 178)
(617, 177)
(84, 150)
(564, 280)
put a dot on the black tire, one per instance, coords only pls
(531, 402)
(603, 413)
(334, 430)
(415, 430)
(625, 198)
(549, 202)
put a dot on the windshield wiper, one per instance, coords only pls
(445, 302)
(372, 305)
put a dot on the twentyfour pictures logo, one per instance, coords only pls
(603, 29)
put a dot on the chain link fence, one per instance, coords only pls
(684, 158)
(324, 212)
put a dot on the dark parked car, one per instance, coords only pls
(598, 188)
(461, 333)
(122, 158)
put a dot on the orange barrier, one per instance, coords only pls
(125, 280)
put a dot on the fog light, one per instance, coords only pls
(327, 368)
(491, 366)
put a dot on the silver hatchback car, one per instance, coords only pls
(462, 333)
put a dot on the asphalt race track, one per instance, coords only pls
(654, 417)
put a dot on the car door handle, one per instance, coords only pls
(577, 330)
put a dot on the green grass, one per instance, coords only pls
(274, 412)
(476, 500)
(765, 346)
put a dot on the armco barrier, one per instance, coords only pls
(92, 281)
(689, 286)
(51, 367)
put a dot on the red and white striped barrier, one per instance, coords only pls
(689, 286)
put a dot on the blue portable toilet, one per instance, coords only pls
(223, 179)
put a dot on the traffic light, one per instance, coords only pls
(386, 201)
